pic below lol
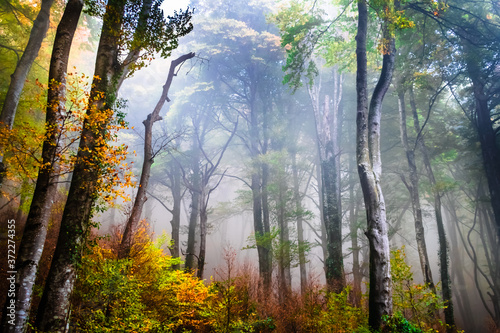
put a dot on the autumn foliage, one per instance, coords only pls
(144, 294)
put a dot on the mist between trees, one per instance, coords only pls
(265, 166)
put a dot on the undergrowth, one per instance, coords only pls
(144, 294)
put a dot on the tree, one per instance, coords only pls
(38, 32)
(243, 50)
(413, 187)
(35, 230)
(328, 136)
(370, 165)
(146, 29)
(148, 161)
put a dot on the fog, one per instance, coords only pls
(238, 70)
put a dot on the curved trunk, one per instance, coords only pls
(370, 168)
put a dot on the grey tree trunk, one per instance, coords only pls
(259, 202)
(353, 229)
(328, 136)
(443, 243)
(285, 278)
(17, 79)
(148, 161)
(203, 232)
(35, 229)
(53, 311)
(176, 212)
(415, 196)
(300, 227)
(195, 209)
(370, 168)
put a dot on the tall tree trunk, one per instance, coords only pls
(53, 311)
(443, 244)
(17, 79)
(148, 161)
(353, 229)
(370, 168)
(300, 227)
(484, 124)
(285, 278)
(35, 229)
(203, 232)
(176, 212)
(259, 202)
(328, 135)
(415, 196)
(195, 208)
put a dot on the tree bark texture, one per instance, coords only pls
(443, 243)
(17, 79)
(328, 136)
(35, 229)
(370, 168)
(414, 195)
(148, 161)
(53, 311)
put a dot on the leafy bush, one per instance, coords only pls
(415, 302)
(140, 294)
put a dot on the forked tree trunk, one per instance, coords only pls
(17, 79)
(370, 168)
(35, 229)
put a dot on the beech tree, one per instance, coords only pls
(145, 30)
(17, 79)
(370, 164)
(35, 229)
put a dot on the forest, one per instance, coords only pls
(250, 166)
